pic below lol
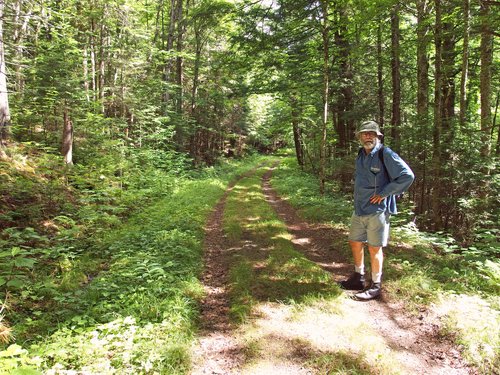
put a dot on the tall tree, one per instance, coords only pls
(325, 33)
(436, 204)
(4, 98)
(486, 62)
(380, 77)
(345, 97)
(422, 121)
(396, 77)
(465, 62)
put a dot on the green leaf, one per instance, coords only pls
(24, 262)
(2, 281)
(13, 350)
(25, 371)
(15, 251)
(16, 283)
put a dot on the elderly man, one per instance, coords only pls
(380, 176)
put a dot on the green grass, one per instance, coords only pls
(129, 302)
(272, 270)
(421, 269)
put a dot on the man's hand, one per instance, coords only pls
(376, 199)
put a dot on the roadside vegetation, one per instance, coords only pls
(100, 271)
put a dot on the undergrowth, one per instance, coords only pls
(114, 286)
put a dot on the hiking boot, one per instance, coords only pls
(355, 282)
(372, 292)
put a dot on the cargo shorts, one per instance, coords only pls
(373, 229)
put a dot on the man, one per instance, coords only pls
(378, 180)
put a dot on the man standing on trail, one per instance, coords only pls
(380, 176)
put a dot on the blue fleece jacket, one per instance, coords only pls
(372, 178)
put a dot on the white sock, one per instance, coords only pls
(376, 277)
(360, 269)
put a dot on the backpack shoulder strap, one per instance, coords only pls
(381, 155)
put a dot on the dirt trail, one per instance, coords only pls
(412, 342)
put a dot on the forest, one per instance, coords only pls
(124, 115)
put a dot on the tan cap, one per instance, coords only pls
(369, 126)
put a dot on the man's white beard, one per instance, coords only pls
(370, 144)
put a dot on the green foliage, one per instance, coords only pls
(130, 288)
(301, 189)
(14, 268)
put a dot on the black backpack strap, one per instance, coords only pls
(381, 157)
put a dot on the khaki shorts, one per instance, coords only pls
(373, 229)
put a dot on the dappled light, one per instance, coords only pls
(185, 187)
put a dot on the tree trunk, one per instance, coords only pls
(436, 154)
(196, 69)
(4, 98)
(345, 122)
(21, 22)
(448, 91)
(181, 26)
(102, 68)
(297, 136)
(396, 78)
(167, 69)
(494, 126)
(380, 77)
(465, 64)
(67, 138)
(422, 95)
(325, 35)
(485, 78)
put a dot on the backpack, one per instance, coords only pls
(381, 157)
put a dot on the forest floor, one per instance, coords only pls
(342, 337)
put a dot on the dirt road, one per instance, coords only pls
(338, 337)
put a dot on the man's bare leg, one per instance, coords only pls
(376, 262)
(357, 280)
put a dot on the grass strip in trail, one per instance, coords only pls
(266, 267)
(292, 313)
(138, 315)
(423, 270)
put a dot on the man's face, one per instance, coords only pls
(368, 140)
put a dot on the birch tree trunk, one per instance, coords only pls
(67, 138)
(4, 98)
(436, 154)
(322, 152)
(21, 22)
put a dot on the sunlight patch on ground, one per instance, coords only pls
(295, 338)
(301, 241)
(475, 323)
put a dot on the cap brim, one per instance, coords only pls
(369, 131)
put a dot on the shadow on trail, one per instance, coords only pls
(417, 343)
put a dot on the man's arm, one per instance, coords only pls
(400, 174)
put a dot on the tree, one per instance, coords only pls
(486, 62)
(465, 62)
(4, 98)
(396, 77)
(422, 120)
